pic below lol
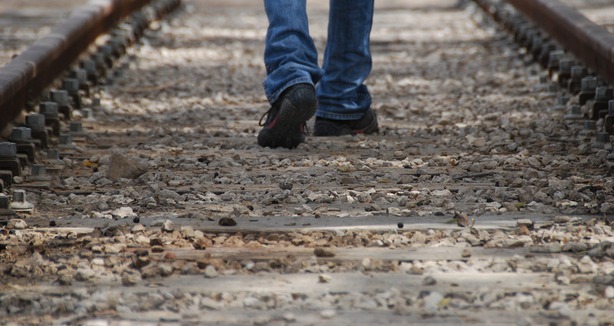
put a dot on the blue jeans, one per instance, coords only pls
(291, 57)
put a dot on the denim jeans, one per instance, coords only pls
(291, 57)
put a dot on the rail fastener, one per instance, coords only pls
(19, 204)
(577, 73)
(588, 87)
(22, 137)
(586, 40)
(36, 123)
(39, 173)
(9, 162)
(575, 113)
(603, 95)
(5, 209)
(608, 123)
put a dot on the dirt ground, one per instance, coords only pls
(478, 202)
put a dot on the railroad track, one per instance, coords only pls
(478, 203)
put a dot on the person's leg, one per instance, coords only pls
(343, 99)
(291, 62)
(290, 56)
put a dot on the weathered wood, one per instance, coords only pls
(352, 317)
(340, 283)
(352, 254)
(268, 224)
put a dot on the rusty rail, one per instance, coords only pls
(24, 78)
(589, 42)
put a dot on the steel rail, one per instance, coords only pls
(25, 77)
(589, 42)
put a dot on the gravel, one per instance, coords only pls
(469, 140)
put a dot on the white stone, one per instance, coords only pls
(432, 301)
(210, 304)
(124, 212)
(328, 313)
(17, 224)
(211, 272)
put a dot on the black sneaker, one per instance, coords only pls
(285, 123)
(365, 125)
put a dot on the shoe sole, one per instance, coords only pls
(370, 129)
(293, 114)
(334, 130)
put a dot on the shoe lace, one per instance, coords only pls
(265, 117)
(262, 118)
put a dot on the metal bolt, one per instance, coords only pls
(53, 158)
(603, 137)
(587, 89)
(588, 84)
(90, 66)
(19, 195)
(565, 66)
(119, 37)
(125, 32)
(521, 29)
(139, 21)
(71, 85)
(561, 103)
(536, 43)
(19, 203)
(575, 113)
(564, 75)
(576, 75)
(109, 51)
(8, 150)
(576, 109)
(608, 122)
(589, 130)
(53, 154)
(124, 65)
(49, 109)
(544, 53)
(578, 72)
(554, 58)
(590, 125)
(4, 201)
(106, 50)
(119, 43)
(100, 60)
(39, 170)
(603, 93)
(65, 140)
(528, 37)
(114, 48)
(76, 127)
(562, 100)
(88, 114)
(80, 75)
(60, 97)
(21, 134)
(35, 121)
(105, 56)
